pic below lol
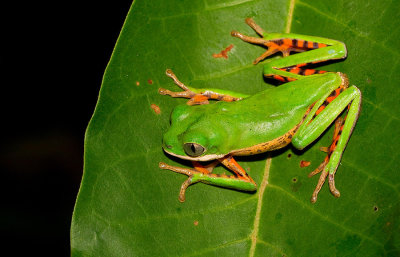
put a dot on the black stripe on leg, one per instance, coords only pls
(279, 42)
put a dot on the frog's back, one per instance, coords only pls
(271, 113)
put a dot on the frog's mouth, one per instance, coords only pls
(204, 158)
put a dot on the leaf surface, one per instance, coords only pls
(127, 206)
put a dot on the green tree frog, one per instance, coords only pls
(296, 112)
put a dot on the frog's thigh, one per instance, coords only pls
(310, 131)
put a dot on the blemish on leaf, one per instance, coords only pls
(289, 156)
(223, 53)
(150, 81)
(375, 208)
(278, 216)
(196, 222)
(324, 149)
(137, 83)
(304, 164)
(296, 184)
(155, 108)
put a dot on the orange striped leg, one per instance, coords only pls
(336, 135)
(329, 99)
(285, 45)
(298, 71)
(339, 123)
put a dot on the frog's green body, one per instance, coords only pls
(230, 126)
(297, 112)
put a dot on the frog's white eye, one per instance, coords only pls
(193, 149)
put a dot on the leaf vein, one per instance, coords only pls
(188, 214)
(225, 5)
(212, 249)
(312, 210)
(272, 246)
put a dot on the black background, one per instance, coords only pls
(53, 56)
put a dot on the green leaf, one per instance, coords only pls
(127, 206)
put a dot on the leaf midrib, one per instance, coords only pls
(264, 183)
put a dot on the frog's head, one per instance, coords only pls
(192, 136)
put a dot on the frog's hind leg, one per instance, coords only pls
(313, 50)
(297, 70)
(281, 44)
(321, 168)
(324, 112)
(293, 67)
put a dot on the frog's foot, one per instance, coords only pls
(321, 181)
(204, 174)
(186, 93)
(200, 173)
(189, 172)
(259, 41)
(322, 167)
(281, 44)
(196, 96)
(285, 46)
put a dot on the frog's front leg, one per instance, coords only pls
(240, 181)
(323, 113)
(199, 96)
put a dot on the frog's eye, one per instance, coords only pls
(193, 149)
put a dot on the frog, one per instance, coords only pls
(216, 126)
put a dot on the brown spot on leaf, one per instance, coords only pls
(304, 164)
(223, 53)
(155, 108)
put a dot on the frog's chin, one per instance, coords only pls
(204, 158)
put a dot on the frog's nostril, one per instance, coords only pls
(166, 145)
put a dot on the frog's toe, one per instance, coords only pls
(319, 169)
(332, 187)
